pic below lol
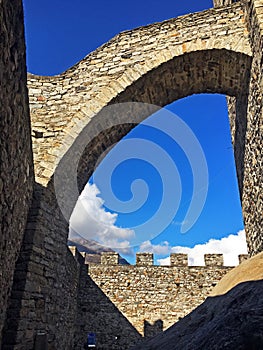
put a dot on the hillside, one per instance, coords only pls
(93, 249)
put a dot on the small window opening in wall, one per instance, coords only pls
(38, 134)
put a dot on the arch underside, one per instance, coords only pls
(209, 71)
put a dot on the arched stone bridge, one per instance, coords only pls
(157, 64)
(215, 51)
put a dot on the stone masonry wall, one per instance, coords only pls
(97, 314)
(252, 200)
(45, 289)
(150, 296)
(124, 304)
(52, 295)
(247, 130)
(16, 164)
(219, 3)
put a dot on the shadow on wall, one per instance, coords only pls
(54, 304)
(150, 330)
(230, 321)
(97, 314)
(19, 290)
(43, 300)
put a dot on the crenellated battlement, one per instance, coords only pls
(176, 259)
(145, 291)
(110, 258)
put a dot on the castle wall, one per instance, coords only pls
(246, 119)
(219, 3)
(151, 298)
(51, 294)
(252, 200)
(16, 165)
(97, 314)
(43, 302)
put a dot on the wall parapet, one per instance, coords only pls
(146, 293)
(79, 256)
(214, 259)
(176, 259)
(110, 258)
(144, 259)
(220, 3)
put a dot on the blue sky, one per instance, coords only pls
(58, 35)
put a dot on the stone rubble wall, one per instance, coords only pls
(146, 294)
(97, 314)
(218, 50)
(45, 288)
(246, 121)
(252, 199)
(219, 3)
(123, 304)
(16, 163)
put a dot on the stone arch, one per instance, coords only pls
(156, 64)
(214, 59)
(208, 71)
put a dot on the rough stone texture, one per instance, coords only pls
(110, 258)
(45, 288)
(16, 164)
(218, 50)
(232, 320)
(214, 260)
(252, 199)
(144, 259)
(98, 314)
(154, 295)
(178, 259)
(246, 117)
(219, 3)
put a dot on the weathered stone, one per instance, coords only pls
(145, 293)
(230, 319)
(16, 163)
(218, 51)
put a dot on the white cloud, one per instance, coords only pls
(230, 246)
(159, 249)
(91, 221)
(165, 261)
